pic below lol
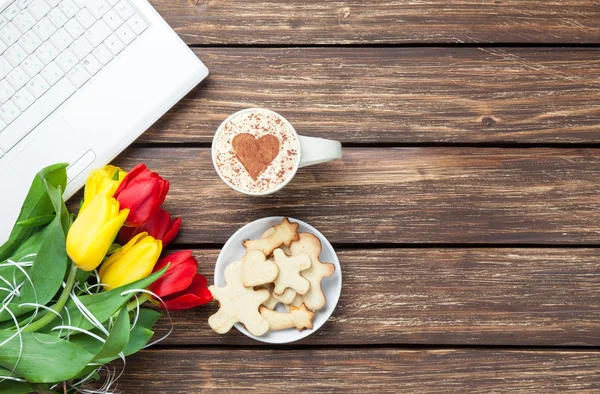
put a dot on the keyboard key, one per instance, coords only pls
(61, 39)
(44, 29)
(52, 73)
(137, 24)
(39, 111)
(78, 76)
(91, 64)
(113, 20)
(32, 65)
(23, 99)
(8, 113)
(67, 60)
(39, 9)
(3, 21)
(23, 3)
(85, 18)
(30, 42)
(74, 28)
(124, 9)
(47, 52)
(17, 78)
(15, 55)
(98, 8)
(2, 127)
(69, 8)
(103, 54)
(3, 47)
(5, 67)
(114, 44)
(11, 11)
(24, 21)
(81, 48)
(57, 18)
(126, 34)
(38, 86)
(10, 34)
(6, 91)
(98, 33)
(112, 3)
(53, 3)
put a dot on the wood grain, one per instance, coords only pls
(383, 21)
(399, 95)
(441, 296)
(408, 195)
(361, 371)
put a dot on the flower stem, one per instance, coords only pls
(60, 304)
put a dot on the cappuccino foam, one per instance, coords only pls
(258, 124)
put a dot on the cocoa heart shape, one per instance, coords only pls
(255, 153)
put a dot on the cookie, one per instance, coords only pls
(271, 303)
(289, 272)
(300, 318)
(311, 245)
(286, 297)
(238, 303)
(258, 270)
(270, 232)
(283, 234)
(296, 302)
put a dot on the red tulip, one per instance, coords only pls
(142, 192)
(180, 287)
(160, 226)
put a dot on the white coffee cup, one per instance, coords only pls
(310, 150)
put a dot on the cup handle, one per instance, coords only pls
(318, 150)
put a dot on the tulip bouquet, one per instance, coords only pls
(72, 287)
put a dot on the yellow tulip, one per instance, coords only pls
(102, 181)
(94, 231)
(133, 262)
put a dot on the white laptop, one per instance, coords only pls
(79, 81)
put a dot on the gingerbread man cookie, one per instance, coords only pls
(310, 245)
(258, 270)
(238, 303)
(283, 234)
(289, 272)
(300, 318)
(286, 297)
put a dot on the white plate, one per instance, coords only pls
(332, 286)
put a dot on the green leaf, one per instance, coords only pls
(37, 221)
(44, 358)
(48, 270)
(37, 203)
(12, 387)
(103, 305)
(148, 317)
(118, 337)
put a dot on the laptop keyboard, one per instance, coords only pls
(51, 48)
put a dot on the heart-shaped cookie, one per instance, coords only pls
(255, 153)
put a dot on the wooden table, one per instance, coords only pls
(466, 209)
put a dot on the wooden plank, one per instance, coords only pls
(408, 195)
(382, 21)
(360, 371)
(441, 296)
(399, 95)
